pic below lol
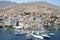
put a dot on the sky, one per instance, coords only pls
(55, 2)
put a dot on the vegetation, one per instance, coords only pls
(1, 19)
(44, 13)
(27, 13)
(53, 16)
(17, 24)
(9, 26)
(53, 19)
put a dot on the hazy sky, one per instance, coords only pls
(55, 2)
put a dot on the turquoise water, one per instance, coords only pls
(10, 35)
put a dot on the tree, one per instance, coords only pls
(44, 13)
(9, 26)
(27, 13)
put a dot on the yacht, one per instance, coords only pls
(45, 35)
(50, 34)
(34, 36)
(37, 36)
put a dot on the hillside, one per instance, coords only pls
(6, 3)
(40, 7)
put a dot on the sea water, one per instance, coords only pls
(10, 35)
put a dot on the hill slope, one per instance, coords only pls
(6, 3)
(31, 7)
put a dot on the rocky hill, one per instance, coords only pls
(41, 7)
(6, 3)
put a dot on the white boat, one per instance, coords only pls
(34, 36)
(51, 34)
(45, 35)
(20, 32)
(38, 36)
(29, 36)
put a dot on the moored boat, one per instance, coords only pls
(37, 36)
(51, 34)
(45, 35)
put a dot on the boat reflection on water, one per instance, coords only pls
(20, 32)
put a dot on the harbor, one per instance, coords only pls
(29, 20)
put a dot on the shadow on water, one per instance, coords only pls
(46, 38)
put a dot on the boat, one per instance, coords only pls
(34, 35)
(37, 36)
(45, 35)
(51, 34)
(29, 36)
(20, 32)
